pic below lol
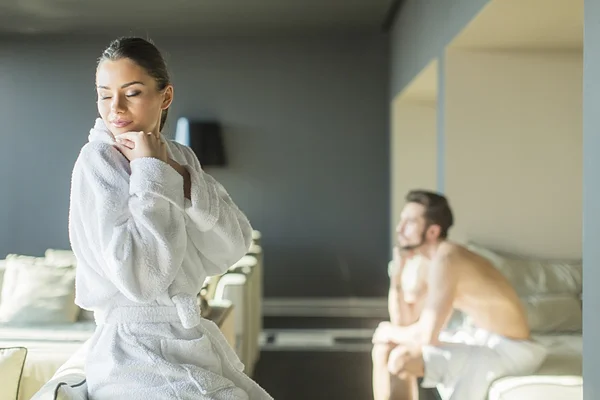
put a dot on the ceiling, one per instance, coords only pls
(191, 17)
(510, 25)
(525, 25)
(423, 89)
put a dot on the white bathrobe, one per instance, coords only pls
(143, 253)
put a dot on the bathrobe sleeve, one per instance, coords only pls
(134, 225)
(218, 229)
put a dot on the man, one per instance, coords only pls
(450, 277)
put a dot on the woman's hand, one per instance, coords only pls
(135, 145)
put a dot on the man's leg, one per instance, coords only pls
(387, 386)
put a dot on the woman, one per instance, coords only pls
(148, 226)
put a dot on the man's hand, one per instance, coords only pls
(398, 261)
(388, 333)
(384, 333)
(404, 254)
(406, 361)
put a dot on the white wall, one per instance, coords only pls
(513, 143)
(414, 151)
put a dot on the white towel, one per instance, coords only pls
(467, 362)
(140, 243)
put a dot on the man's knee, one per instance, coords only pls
(381, 353)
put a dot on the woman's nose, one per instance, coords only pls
(116, 104)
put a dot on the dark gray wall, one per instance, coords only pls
(306, 129)
(591, 200)
(422, 30)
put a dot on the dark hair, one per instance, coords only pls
(437, 209)
(145, 54)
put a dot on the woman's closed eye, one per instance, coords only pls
(132, 94)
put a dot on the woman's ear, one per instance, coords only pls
(167, 97)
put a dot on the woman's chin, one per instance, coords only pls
(119, 130)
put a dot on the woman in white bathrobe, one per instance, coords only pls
(148, 226)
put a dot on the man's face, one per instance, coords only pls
(411, 229)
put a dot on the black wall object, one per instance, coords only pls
(205, 138)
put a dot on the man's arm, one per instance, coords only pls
(401, 312)
(438, 304)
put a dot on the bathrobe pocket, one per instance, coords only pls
(198, 360)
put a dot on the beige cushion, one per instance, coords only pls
(68, 382)
(12, 361)
(36, 293)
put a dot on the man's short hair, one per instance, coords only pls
(437, 209)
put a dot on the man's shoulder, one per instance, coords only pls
(458, 255)
(454, 254)
(449, 251)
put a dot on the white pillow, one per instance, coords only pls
(34, 292)
(12, 361)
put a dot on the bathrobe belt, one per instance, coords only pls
(186, 311)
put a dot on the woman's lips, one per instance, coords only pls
(120, 123)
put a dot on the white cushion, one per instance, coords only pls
(532, 277)
(60, 258)
(554, 313)
(538, 388)
(2, 269)
(37, 293)
(560, 377)
(12, 361)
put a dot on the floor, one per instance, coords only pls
(317, 359)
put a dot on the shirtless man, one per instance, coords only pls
(452, 277)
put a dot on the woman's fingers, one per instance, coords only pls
(142, 144)
(126, 142)
(133, 136)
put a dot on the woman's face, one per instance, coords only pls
(128, 98)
